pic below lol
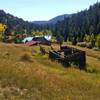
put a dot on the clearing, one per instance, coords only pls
(27, 75)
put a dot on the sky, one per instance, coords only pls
(33, 10)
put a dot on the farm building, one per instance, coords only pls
(36, 40)
(31, 43)
(42, 40)
(27, 39)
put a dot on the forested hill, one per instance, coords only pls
(15, 24)
(84, 22)
(53, 20)
(74, 26)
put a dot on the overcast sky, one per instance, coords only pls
(43, 9)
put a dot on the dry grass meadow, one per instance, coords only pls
(27, 75)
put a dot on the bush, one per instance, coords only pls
(26, 57)
(82, 44)
(98, 41)
(53, 39)
(89, 45)
(74, 42)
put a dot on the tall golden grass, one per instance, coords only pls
(38, 78)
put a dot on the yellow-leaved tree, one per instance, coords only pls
(2, 30)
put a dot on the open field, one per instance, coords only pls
(27, 75)
(89, 52)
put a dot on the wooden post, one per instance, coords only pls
(82, 60)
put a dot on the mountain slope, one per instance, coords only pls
(58, 18)
(15, 23)
(79, 24)
(53, 20)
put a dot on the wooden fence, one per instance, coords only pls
(67, 56)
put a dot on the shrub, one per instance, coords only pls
(82, 44)
(98, 41)
(26, 57)
(90, 39)
(74, 42)
(89, 45)
(53, 39)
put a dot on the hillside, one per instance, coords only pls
(15, 24)
(53, 20)
(27, 75)
(79, 24)
(68, 26)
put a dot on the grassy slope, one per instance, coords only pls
(27, 77)
(93, 57)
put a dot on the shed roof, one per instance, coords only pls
(27, 39)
